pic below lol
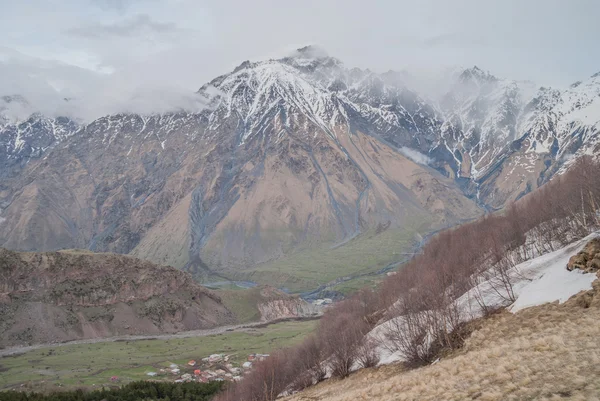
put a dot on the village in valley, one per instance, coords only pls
(216, 367)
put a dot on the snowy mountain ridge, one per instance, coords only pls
(317, 149)
(468, 133)
(482, 130)
(321, 89)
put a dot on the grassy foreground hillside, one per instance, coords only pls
(548, 352)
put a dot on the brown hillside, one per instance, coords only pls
(68, 295)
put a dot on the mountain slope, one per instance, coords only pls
(507, 138)
(539, 353)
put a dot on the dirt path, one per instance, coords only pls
(184, 334)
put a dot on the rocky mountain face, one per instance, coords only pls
(68, 295)
(504, 138)
(22, 140)
(289, 154)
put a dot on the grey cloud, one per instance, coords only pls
(132, 26)
(118, 5)
(44, 85)
(112, 4)
(452, 39)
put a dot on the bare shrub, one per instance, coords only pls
(368, 355)
(409, 334)
(310, 355)
(342, 333)
(267, 380)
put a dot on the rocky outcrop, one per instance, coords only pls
(588, 260)
(61, 296)
(286, 308)
(277, 305)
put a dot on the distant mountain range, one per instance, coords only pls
(289, 155)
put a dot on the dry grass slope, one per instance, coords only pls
(549, 352)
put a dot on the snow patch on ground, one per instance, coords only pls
(552, 281)
(535, 282)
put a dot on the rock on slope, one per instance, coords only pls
(67, 295)
(276, 304)
(265, 304)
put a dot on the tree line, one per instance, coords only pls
(135, 391)
(419, 305)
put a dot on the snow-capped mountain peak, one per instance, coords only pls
(310, 58)
(565, 122)
(476, 75)
(312, 87)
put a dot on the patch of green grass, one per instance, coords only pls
(308, 269)
(94, 364)
(242, 302)
(351, 286)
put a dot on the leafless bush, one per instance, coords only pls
(368, 355)
(409, 334)
(310, 354)
(342, 335)
(267, 380)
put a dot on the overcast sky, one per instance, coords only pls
(126, 48)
